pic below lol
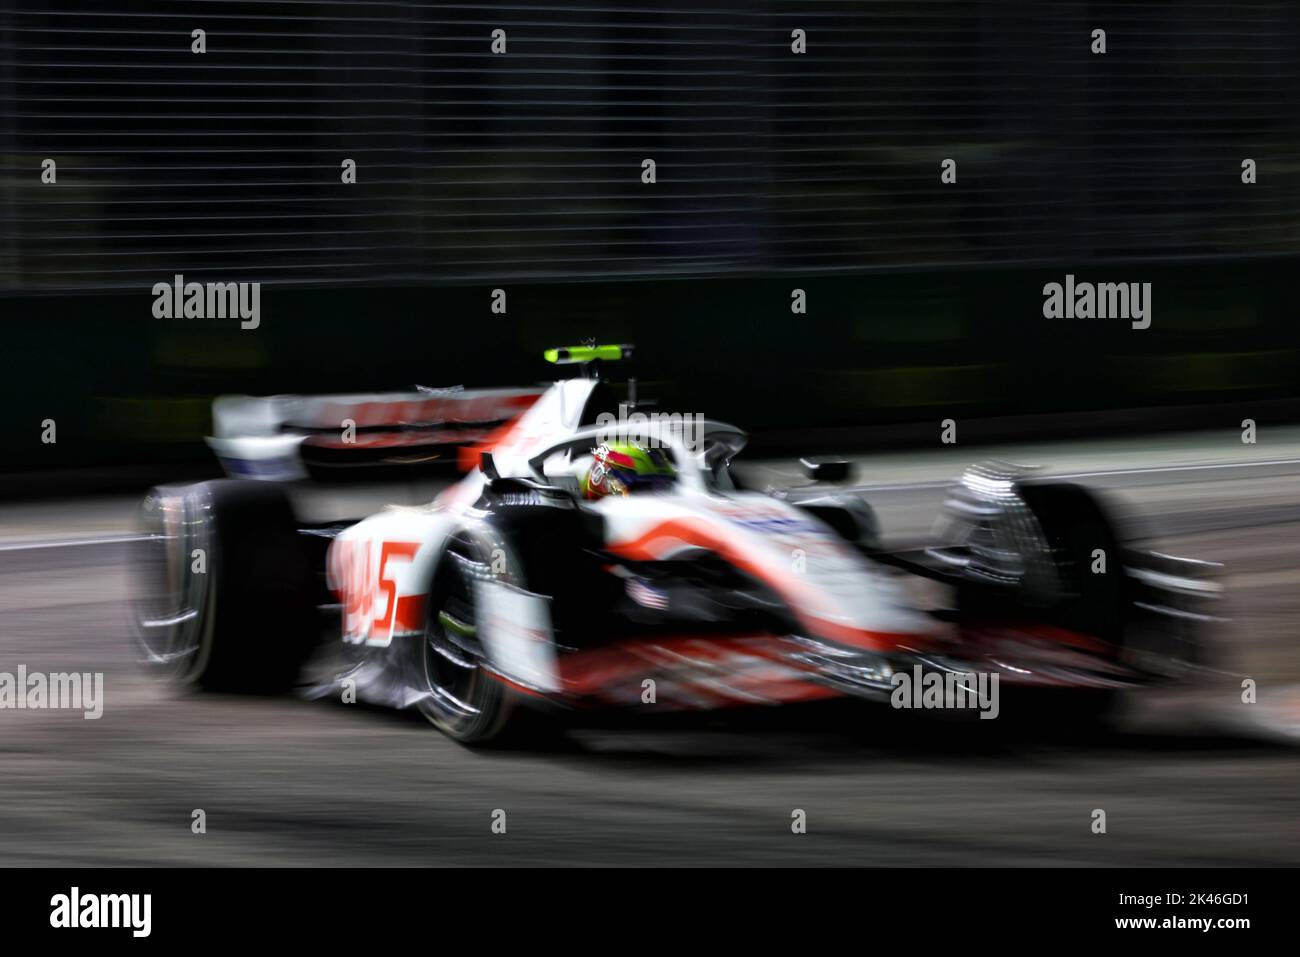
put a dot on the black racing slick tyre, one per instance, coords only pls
(1045, 553)
(457, 694)
(223, 594)
(549, 552)
(1086, 550)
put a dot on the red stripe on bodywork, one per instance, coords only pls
(660, 541)
(467, 457)
(409, 617)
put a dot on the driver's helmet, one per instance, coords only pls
(622, 468)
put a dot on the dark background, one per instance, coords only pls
(523, 171)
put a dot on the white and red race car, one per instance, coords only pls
(510, 591)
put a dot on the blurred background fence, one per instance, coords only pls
(523, 170)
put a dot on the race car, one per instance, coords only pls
(597, 557)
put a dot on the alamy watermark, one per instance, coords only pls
(648, 429)
(1103, 300)
(76, 910)
(215, 300)
(951, 689)
(59, 690)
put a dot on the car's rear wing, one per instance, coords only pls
(287, 437)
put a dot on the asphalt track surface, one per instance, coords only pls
(1191, 777)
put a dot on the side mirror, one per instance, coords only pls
(825, 469)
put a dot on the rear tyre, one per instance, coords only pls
(224, 596)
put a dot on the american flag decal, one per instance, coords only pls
(645, 595)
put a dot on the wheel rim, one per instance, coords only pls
(458, 689)
(167, 600)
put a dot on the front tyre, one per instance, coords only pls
(458, 695)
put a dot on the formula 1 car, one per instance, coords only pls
(511, 591)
